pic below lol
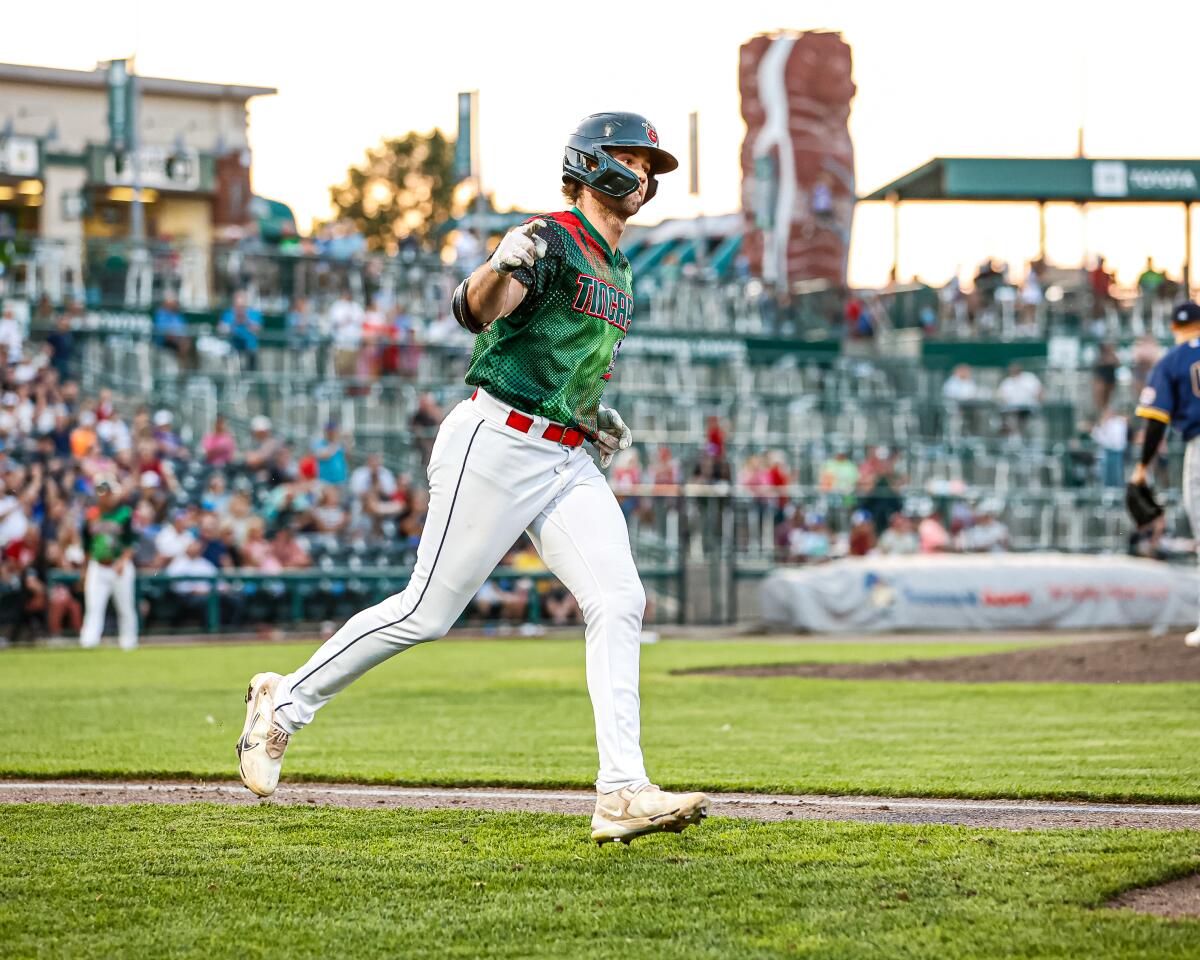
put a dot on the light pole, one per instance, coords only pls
(137, 213)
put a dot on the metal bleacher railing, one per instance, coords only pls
(700, 550)
(805, 408)
(299, 597)
(791, 406)
(115, 274)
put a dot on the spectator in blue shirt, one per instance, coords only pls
(301, 324)
(171, 330)
(331, 456)
(242, 325)
(62, 346)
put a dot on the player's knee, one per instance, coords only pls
(624, 604)
(636, 600)
(436, 626)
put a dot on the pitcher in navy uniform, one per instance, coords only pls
(1172, 398)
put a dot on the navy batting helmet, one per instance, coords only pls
(593, 139)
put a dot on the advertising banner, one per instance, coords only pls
(992, 591)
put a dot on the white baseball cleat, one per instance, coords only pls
(1193, 638)
(260, 749)
(631, 812)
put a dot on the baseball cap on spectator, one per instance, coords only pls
(150, 479)
(87, 419)
(162, 418)
(1186, 312)
(260, 424)
(11, 399)
(105, 483)
(860, 516)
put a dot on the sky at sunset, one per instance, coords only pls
(933, 79)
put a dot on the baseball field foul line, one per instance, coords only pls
(1016, 814)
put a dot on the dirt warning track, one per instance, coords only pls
(1005, 814)
(1140, 659)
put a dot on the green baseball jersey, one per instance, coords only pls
(554, 354)
(107, 535)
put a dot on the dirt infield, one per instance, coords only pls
(1179, 898)
(1005, 814)
(1128, 660)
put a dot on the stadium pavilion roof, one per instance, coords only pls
(1073, 180)
(1049, 180)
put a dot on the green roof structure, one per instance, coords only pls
(1073, 180)
(1043, 180)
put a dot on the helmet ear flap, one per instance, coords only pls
(651, 189)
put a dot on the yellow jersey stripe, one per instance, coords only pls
(1153, 413)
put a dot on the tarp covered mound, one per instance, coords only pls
(996, 591)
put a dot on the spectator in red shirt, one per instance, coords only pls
(104, 406)
(854, 312)
(777, 472)
(862, 533)
(23, 551)
(715, 435)
(1101, 282)
(289, 551)
(666, 471)
(879, 463)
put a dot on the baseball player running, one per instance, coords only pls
(550, 309)
(1172, 398)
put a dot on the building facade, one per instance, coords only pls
(67, 183)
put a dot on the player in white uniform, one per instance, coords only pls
(550, 307)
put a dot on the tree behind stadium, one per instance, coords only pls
(405, 188)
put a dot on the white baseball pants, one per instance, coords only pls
(104, 582)
(487, 484)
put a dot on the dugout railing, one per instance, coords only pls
(701, 551)
(237, 599)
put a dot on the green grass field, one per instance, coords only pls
(265, 881)
(516, 712)
(211, 882)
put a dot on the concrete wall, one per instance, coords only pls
(82, 117)
(185, 220)
(61, 181)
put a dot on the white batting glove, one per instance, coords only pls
(519, 248)
(613, 434)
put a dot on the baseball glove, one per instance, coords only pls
(1140, 502)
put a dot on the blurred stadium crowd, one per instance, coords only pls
(241, 445)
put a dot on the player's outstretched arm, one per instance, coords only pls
(490, 291)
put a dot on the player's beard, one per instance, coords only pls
(623, 207)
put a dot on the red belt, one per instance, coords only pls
(554, 432)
